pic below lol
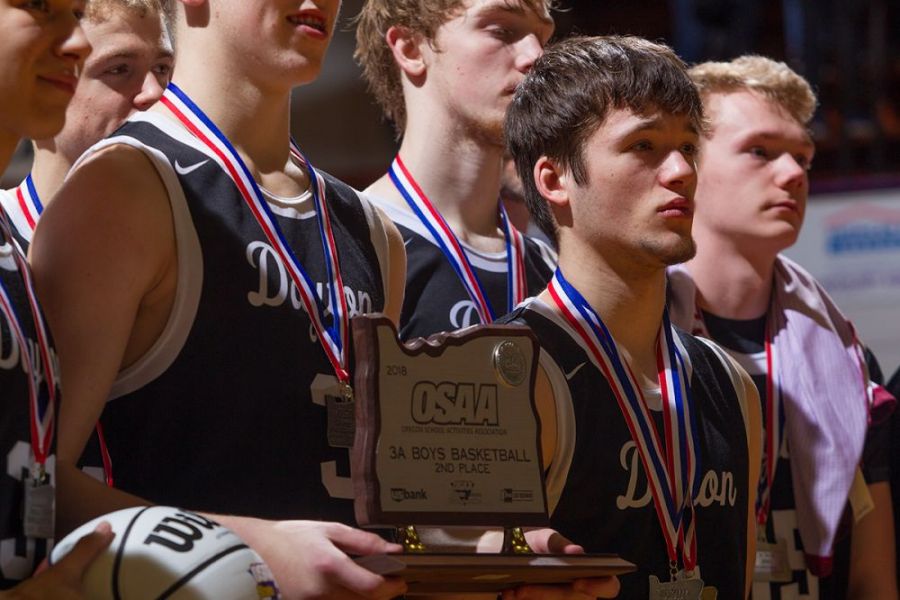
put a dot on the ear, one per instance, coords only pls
(406, 48)
(551, 182)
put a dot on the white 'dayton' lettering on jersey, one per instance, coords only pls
(264, 259)
(716, 488)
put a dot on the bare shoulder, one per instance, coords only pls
(115, 199)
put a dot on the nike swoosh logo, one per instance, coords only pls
(185, 170)
(571, 373)
(406, 242)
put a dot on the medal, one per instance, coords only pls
(39, 497)
(334, 339)
(772, 561)
(670, 462)
(421, 206)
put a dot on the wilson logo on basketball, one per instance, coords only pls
(455, 403)
(179, 533)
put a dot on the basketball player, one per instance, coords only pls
(653, 440)
(444, 73)
(174, 305)
(42, 48)
(127, 70)
(784, 329)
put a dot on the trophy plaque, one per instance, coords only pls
(447, 434)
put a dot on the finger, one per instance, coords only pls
(548, 541)
(88, 548)
(342, 571)
(357, 541)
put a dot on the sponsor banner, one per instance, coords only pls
(851, 243)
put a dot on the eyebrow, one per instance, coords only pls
(516, 7)
(655, 123)
(807, 140)
(130, 54)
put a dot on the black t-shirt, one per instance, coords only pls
(435, 298)
(745, 341)
(597, 486)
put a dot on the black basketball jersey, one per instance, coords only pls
(227, 412)
(745, 341)
(19, 556)
(435, 298)
(22, 219)
(597, 487)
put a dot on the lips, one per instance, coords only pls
(678, 207)
(311, 22)
(62, 80)
(786, 205)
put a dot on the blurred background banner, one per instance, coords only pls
(851, 244)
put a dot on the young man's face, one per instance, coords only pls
(637, 204)
(127, 71)
(482, 54)
(281, 42)
(41, 48)
(753, 180)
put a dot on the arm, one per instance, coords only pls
(872, 563)
(100, 258)
(395, 284)
(753, 418)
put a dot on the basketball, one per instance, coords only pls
(166, 552)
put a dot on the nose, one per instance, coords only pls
(73, 45)
(151, 91)
(789, 174)
(530, 48)
(678, 170)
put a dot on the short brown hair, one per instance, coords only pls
(570, 90)
(772, 79)
(423, 17)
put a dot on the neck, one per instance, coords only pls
(629, 300)
(255, 121)
(731, 283)
(459, 175)
(8, 143)
(48, 171)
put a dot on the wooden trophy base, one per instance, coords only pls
(474, 573)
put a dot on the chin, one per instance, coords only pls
(674, 253)
(43, 126)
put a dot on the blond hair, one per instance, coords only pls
(771, 79)
(422, 17)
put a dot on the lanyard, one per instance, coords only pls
(29, 202)
(671, 462)
(452, 248)
(40, 405)
(333, 338)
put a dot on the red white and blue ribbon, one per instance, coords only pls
(452, 248)
(671, 461)
(41, 399)
(774, 416)
(29, 202)
(774, 431)
(333, 338)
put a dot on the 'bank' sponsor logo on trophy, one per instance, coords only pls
(449, 403)
(402, 494)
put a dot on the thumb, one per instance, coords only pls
(75, 563)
